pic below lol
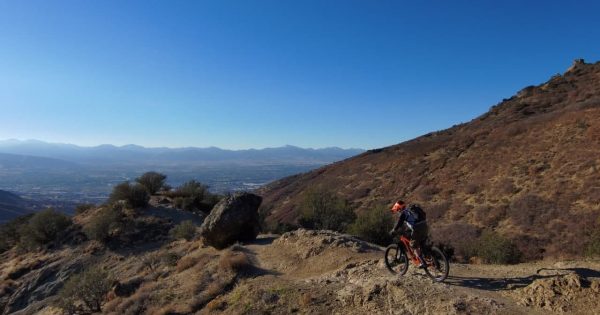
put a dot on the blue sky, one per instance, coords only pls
(254, 74)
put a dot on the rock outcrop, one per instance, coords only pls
(233, 219)
(560, 294)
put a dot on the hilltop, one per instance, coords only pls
(528, 169)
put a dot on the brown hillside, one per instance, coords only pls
(529, 168)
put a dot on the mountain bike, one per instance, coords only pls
(398, 255)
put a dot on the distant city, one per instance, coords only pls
(62, 175)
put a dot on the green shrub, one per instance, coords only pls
(85, 292)
(103, 223)
(9, 231)
(152, 181)
(84, 207)
(135, 195)
(373, 226)
(496, 249)
(185, 230)
(323, 210)
(43, 227)
(194, 196)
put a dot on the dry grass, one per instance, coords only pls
(216, 305)
(234, 262)
(192, 261)
(134, 304)
(306, 299)
(186, 263)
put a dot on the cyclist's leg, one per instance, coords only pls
(419, 235)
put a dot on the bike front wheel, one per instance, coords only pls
(396, 260)
(436, 264)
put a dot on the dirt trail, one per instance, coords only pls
(325, 272)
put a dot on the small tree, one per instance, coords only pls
(323, 210)
(85, 292)
(135, 195)
(152, 181)
(44, 227)
(185, 230)
(373, 226)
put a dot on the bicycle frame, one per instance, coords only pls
(409, 252)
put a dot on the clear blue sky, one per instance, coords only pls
(241, 74)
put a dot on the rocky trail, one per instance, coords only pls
(334, 273)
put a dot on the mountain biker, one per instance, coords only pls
(415, 220)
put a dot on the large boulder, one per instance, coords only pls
(233, 219)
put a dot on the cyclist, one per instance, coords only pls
(414, 217)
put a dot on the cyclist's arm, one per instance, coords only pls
(401, 219)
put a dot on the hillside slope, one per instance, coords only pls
(304, 272)
(529, 168)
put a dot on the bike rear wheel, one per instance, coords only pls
(436, 264)
(396, 260)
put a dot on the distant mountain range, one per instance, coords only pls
(63, 154)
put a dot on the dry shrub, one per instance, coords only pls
(216, 305)
(306, 299)
(531, 248)
(472, 189)
(437, 210)
(137, 303)
(85, 291)
(190, 261)
(427, 193)
(234, 262)
(216, 288)
(489, 216)
(169, 258)
(461, 237)
(185, 230)
(151, 261)
(532, 211)
(506, 186)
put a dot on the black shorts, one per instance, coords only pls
(419, 235)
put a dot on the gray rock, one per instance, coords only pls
(39, 286)
(233, 219)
